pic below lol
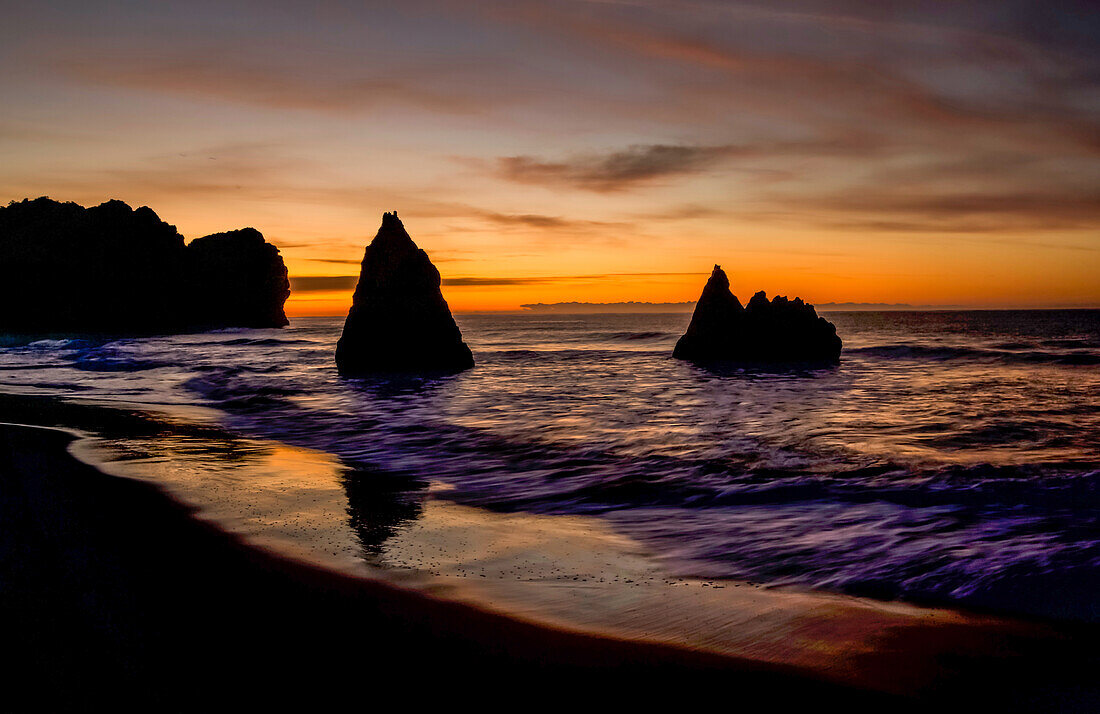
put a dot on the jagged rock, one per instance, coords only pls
(781, 330)
(239, 280)
(399, 321)
(113, 269)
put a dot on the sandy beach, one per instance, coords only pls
(114, 594)
(113, 590)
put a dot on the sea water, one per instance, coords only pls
(951, 457)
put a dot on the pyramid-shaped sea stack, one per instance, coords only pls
(399, 321)
(780, 330)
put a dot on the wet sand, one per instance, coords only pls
(113, 594)
(112, 588)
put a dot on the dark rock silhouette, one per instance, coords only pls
(399, 321)
(239, 279)
(105, 268)
(781, 330)
(113, 269)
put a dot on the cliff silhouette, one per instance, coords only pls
(239, 280)
(399, 321)
(113, 269)
(775, 331)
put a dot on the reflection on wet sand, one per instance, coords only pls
(380, 505)
(286, 499)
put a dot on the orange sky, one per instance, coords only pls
(586, 151)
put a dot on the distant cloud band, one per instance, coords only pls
(321, 283)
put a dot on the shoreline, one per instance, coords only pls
(907, 654)
(97, 612)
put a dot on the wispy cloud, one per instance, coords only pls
(322, 283)
(335, 261)
(319, 283)
(613, 171)
(334, 87)
(642, 164)
(239, 168)
(546, 279)
(495, 282)
(918, 81)
(533, 220)
(545, 222)
(889, 210)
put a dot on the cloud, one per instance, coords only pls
(541, 221)
(336, 261)
(613, 171)
(924, 80)
(254, 171)
(543, 280)
(322, 283)
(276, 83)
(632, 306)
(684, 212)
(319, 283)
(889, 210)
(226, 170)
(533, 220)
(641, 164)
(494, 282)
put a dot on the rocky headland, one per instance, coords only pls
(113, 269)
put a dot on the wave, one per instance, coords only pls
(264, 342)
(635, 336)
(601, 487)
(563, 354)
(975, 354)
(118, 364)
(237, 369)
(52, 344)
(1072, 342)
(230, 389)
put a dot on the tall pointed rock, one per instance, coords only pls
(399, 321)
(779, 330)
(716, 312)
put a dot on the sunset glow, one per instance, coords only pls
(586, 151)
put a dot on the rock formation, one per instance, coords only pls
(239, 279)
(781, 330)
(399, 321)
(112, 269)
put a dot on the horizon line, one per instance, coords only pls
(915, 308)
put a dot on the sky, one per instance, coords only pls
(892, 152)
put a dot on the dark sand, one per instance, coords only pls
(111, 594)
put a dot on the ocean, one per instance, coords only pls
(950, 458)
